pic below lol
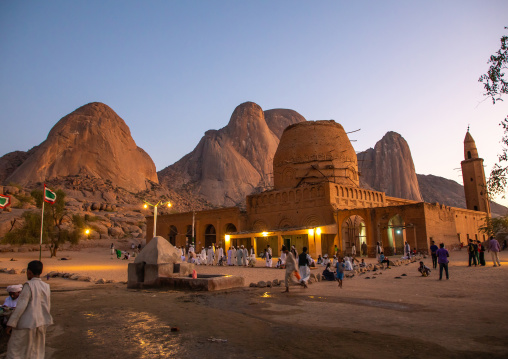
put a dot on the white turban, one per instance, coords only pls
(14, 288)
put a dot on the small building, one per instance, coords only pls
(317, 202)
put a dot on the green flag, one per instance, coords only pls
(49, 195)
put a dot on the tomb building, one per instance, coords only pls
(316, 202)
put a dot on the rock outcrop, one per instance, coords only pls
(450, 193)
(232, 162)
(389, 167)
(10, 162)
(91, 141)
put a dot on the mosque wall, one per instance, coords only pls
(210, 224)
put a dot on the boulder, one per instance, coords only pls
(261, 284)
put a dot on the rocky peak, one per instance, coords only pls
(232, 162)
(389, 167)
(91, 141)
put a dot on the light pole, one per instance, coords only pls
(160, 203)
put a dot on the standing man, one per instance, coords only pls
(290, 267)
(239, 256)
(494, 251)
(303, 263)
(471, 252)
(407, 250)
(378, 250)
(442, 259)
(28, 322)
(433, 250)
(245, 256)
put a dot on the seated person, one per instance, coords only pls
(347, 264)
(326, 260)
(383, 259)
(363, 264)
(328, 273)
(12, 299)
(424, 270)
(319, 260)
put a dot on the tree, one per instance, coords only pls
(495, 86)
(494, 226)
(57, 234)
(54, 234)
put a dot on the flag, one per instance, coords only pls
(4, 201)
(49, 195)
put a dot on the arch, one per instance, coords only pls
(288, 177)
(396, 234)
(259, 226)
(173, 231)
(229, 228)
(286, 223)
(354, 231)
(284, 197)
(337, 191)
(468, 155)
(312, 221)
(342, 191)
(210, 235)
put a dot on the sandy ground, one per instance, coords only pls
(383, 317)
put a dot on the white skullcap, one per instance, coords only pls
(14, 288)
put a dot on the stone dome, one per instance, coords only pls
(313, 152)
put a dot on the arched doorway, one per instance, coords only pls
(210, 235)
(396, 234)
(172, 235)
(354, 231)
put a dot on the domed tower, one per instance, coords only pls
(313, 152)
(473, 175)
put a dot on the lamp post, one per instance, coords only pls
(160, 203)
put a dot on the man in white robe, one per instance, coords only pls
(304, 261)
(230, 255)
(14, 291)
(239, 256)
(220, 254)
(233, 257)
(28, 322)
(245, 256)
(290, 268)
(209, 255)
(203, 256)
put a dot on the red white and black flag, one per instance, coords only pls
(49, 195)
(4, 201)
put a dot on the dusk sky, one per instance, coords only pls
(175, 69)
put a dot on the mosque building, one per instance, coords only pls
(317, 202)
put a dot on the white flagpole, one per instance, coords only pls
(42, 223)
(193, 220)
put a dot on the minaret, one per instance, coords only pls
(473, 175)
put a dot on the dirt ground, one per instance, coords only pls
(382, 317)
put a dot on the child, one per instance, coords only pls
(424, 270)
(340, 271)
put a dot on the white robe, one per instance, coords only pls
(239, 257)
(230, 255)
(233, 257)
(283, 258)
(29, 321)
(209, 256)
(245, 256)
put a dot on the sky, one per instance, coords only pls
(175, 69)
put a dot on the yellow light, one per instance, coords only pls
(318, 231)
(87, 231)
(311, 231)
(265, 234)
(169, 204)
(145, 206)
(227, 237)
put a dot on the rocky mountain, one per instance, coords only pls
(236, 160)
(388, 167)
(448, 192)
(91, 141)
